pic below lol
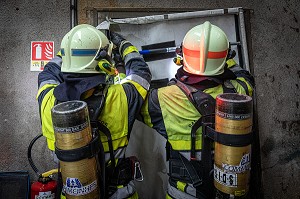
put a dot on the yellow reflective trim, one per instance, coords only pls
(122, 75)
(51, 144)
(117, 143)
(168, 196)
(129, 49)
(134, 196)
(230, 63)
(109, 162)
(119, 78)
(143, 92)
(240, 89)
(250, 89)
(62, 196)
(46, 106)
(181, 186)
(145, 113)
(44, 88)
(215, 91)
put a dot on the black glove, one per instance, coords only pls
(119, 63)
(116, 39)
(121, 43)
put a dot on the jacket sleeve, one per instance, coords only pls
(47, 81)
(151, 114)
(244, 77)
(49, 78)
(137, 81)
(137, 69)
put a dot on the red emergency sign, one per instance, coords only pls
(41, 53)
(42, 50)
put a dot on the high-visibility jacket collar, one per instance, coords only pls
(75, 85)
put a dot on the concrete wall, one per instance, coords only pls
(21, 22)
(275, 44)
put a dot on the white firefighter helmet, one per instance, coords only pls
(82, 48)
(205, 48)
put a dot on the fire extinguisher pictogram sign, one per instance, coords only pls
(41, 53)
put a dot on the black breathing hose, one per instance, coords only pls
(29, 154)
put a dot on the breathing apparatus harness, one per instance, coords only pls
(199, 173)
(122, 171)
(112, 173)
(195, 172)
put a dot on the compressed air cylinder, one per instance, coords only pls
(232, 161)
(73, 131)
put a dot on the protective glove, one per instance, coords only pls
(123, 46)
(119, 63)
(117, 39)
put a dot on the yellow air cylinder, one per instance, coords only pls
(233, 160)
(73, 131)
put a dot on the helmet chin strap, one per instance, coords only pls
(110, 48)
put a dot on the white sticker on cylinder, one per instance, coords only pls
(245, 165)
(225, 178)
(74, 187)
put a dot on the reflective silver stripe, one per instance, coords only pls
(51, 81)
(175, 193)
(124, 192)
(57, 60)
(119, 153)
(132, 55)
(141, 81)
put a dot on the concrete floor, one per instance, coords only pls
(275, 45)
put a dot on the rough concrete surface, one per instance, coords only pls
(22, 22)
(275, 45)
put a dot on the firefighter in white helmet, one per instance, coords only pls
(81, 72)
(174, 111)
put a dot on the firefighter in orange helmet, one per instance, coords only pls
(207, 70)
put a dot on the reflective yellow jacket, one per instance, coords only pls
(122, 103)
(171, 114)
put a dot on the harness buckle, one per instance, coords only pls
(137, 171)
(138, 175)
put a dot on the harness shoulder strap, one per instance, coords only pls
(205, 104)
(95, 105)
(228, 87)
